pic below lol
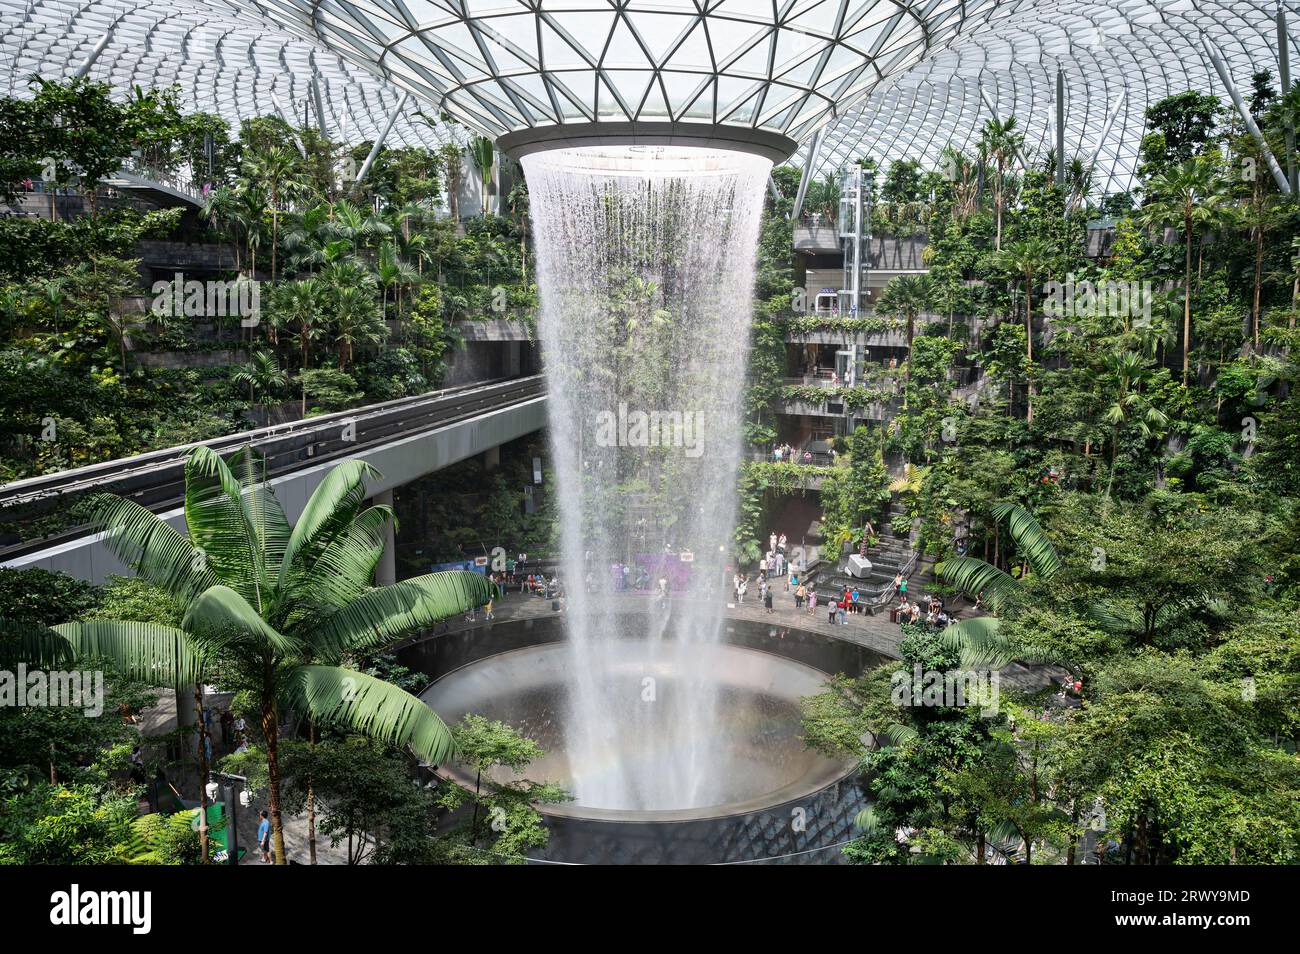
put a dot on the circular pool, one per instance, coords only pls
(771, 797)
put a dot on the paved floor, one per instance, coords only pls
(874, 632)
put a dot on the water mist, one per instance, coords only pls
(645, 259)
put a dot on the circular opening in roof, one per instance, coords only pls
(643, 160)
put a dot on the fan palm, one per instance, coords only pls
(262, 374)
(356, 320)
(282, 607)
(298, 305)
(1193, 195)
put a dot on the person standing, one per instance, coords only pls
(799, 595)
(767, 601)
(264, 837)
(812, 601)
(842, 613)
(832, 609)
(487, 611)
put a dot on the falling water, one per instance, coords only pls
(645, 260)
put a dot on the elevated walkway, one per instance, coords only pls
(403, 439)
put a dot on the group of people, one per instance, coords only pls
(934, 614)
(785, 454)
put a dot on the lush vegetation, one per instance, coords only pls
(359, 285)
(1116, 482)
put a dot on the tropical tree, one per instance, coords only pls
(356, 320)
(1000, 142)
(906, 297)
(394, 274)
(276, 170)
(453, 166)
(298, 306)
(975, 576)
(281, 607)
(1028, 258)
(263, 375)
(1191, 195)
(1128, 372)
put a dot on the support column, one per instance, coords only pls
(1060, 129)
(318, 104)
(808, 163)
(89, 61)
(386, 568)
(1247, 120)
(379, 143)
(492, 458)
(1105, 132)
(1284, 78)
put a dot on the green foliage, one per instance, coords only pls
(64, 825)
(39, 596)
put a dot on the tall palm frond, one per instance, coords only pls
(156, 551)
(1030, 538)
(975, 576)
(34, 644)
(353, 700)
(151, 653)
(391, 612)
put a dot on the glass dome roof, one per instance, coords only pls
(231, 63)
(1118, 57)
(780, 68)
(886, 79)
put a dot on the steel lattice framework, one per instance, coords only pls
(882, 78)
(1118, 57)
(233, 64)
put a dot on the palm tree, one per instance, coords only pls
(282, 607)
(1078, 183)
(1028, 258)
(355, 321)
(276, 169)
(220, 209)
(299, 305)
(906, 296)
(1128, 372)
(1193, 195)
(356, 226)
(263, 375)
(395, 274)
(1000, 142)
